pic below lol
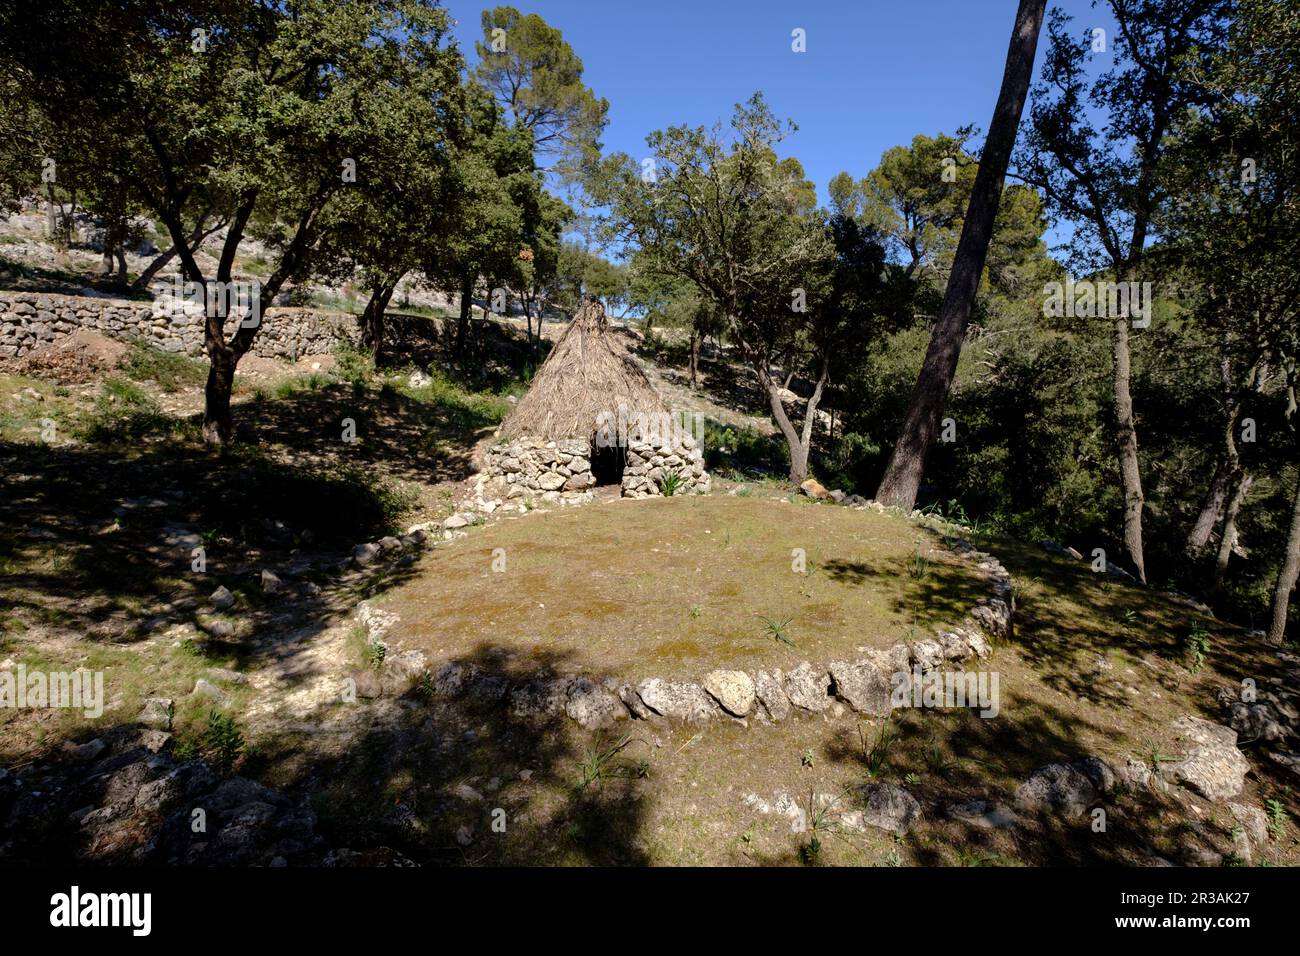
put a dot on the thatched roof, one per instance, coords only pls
(587, 372)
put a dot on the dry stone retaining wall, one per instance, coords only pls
(31, 319)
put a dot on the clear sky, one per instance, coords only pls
(876, 72)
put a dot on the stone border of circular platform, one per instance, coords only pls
(864, 685)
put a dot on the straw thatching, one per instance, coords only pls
(588, 372)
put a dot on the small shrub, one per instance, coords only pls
(171, 371)
(1198, 645)
(353, 365)
(223, 742)
(919, 569)
(670, 483)
(875, 754)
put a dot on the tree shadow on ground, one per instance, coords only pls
(431, 775)
(444, 780)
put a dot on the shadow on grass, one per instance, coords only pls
(443, 780)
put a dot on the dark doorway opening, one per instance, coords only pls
(607, 464)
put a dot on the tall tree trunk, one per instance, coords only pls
(1228, 541)
(372, 319)
(462, 323)
(1216, 498)
(798, 442)
(1127, 447)
(217, 421)
(902, 478)
(695, 354)
(51, 214)
(1286, 577)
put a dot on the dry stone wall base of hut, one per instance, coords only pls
(649, 466)
(532, 467)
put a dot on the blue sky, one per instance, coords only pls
(876, 72)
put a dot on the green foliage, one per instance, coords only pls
(124, 412)
(1198, 645)
(223, 742)
(875, 751)
(169, 370)
(670, 483)
(606, 761)
(778, 630)
(353, 365)
(742, 451)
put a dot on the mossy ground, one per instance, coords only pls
(673, 587)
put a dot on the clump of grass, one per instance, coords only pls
(604, 762)
(170, 371)
(353, 365)
(777, 630)
(124, 411)
(919, 568)
(875, 752)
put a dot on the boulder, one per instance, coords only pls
(678, 699)
(1258, 721)
(402, 671)
(1251, 832)
(271, 583)
(205, 688)
(815, 489)
(592, 706)
(734, 690)
(862, 686)
(365, 554)
(222, 599)
(768, 690)
(157, 713)
(808, 688)
(887, 806)
(540, 698)
(1066, 789)
(1213, 766)
(927, 655)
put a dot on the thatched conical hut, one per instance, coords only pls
(591, 417)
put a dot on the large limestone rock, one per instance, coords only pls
(768, 689)
(677, 699)
(1213, 766)
(862, 686)
(808, 688)
(1067, 789)
(890, 807)
(734, 690)
(592, 706)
